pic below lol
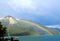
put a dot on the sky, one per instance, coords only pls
(45, 12)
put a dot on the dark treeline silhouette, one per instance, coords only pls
(2, 30)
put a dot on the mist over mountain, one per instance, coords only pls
(22, 27)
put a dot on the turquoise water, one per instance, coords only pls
(39, 38)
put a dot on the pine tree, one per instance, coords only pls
(2, 30)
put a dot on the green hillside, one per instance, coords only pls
(16, 26)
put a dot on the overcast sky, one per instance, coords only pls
(46, 12)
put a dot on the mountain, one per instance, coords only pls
(22, 27)
(55, 27)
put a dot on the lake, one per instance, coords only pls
(39, 38)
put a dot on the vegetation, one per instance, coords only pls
(2, 30)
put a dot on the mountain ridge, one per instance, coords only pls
(17, 26)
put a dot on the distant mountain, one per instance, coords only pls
(22, 27)
(55, 28)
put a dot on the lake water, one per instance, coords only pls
(39, 38)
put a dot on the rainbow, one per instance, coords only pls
(39, 26)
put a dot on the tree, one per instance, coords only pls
(2, 30)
